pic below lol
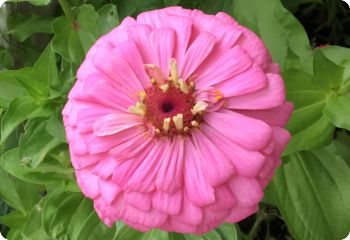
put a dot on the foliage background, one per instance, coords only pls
(43, 42)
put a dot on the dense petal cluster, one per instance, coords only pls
(176, 121)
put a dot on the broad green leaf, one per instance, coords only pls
(22, 27)
(34, 2)
(14, 219)
(214, 6)
(50, 171)
(319, 100)
(279, 29)
(71, 216)
(10, 88)
(54, 126)
(31, 228)
(312, 192)
(6, 59)
(308, 126)
(18, 194)
(20, 109)
(338, 111)
(327, 74)
(134, 7)
(107, 20)
(171, 2)
(43, 73)
(293, 5)
(36, 142)
(73, 40)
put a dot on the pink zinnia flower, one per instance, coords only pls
(176, 121)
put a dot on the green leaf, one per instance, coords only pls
(36, 142)
(327, 74)
(10, 88)
(279, 29)
(20, 109)
(31, 228)
(54, 126)
(50, 171)
(71, 216)
(34, 2)
(338, 111)
(214, 6)
(73, 40)
(43, 73)
(18, 194)
(22, 27)
(312, 192)
(6, 59)
(108, 19)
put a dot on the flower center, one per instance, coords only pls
(169, 107)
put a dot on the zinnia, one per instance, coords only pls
(176, 121)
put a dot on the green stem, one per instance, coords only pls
(260, 216)
(67, 10)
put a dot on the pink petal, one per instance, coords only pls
(97, 144)
(109, 190)
(88, 183)
(80, 162)
(144, 177)
(277, 116)
(228, 65)
(126, 168)
(112, 97)
(105, 167)
(226, 18)
(215, 171)
(225, 200)
(269, 97)
(170, 174)
(254, 46)
(247, 163)
(167, 203)
(131, 55)
(181, 25)
(139, 200)
(239, 213)
(248, 132)
(248, 191)
(197, 188)
(196, 54)
(163, 43)
(190, 214)
(115, 123)
(140, 34)
(249, 81)
(87, 116)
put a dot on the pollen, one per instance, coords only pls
(138, 109)
(169, 105)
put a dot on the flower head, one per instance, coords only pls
(176, 121)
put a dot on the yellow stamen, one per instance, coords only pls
(173, 71)
(186, 129)
(157, 131)
(192, 86)
(195, 123)
(154, 71)
(199, 107)
(142, 95)
(164, 87)
(166, 124)
(179, 121)
(138, 109)
(218, 95)
(153, 81)
(183, 86)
